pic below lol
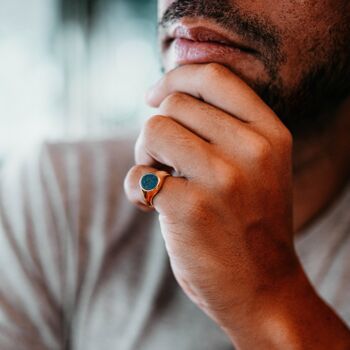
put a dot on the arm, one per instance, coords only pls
(294, 318)
(31, 308)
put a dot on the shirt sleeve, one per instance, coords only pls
(30, 302)
(58, 215)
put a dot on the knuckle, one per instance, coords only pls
(286, 140)
(172, 101)
(155, 121)
(129, 180)
(283, 142)
(153, 126)
(282, 136)
(214, 70)
(260, 149)
(228, 178)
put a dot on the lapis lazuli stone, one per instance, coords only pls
(149, 182)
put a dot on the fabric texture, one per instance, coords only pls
(81, 268)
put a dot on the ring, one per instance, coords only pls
(151, 184)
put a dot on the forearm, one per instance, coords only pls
(295, 318)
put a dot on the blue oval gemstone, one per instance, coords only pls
(149, 182)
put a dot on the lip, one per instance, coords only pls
(187, 51)
(201, 34)
(189, 43)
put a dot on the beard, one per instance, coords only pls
(308, 108)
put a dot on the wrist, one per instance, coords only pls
(294, 317)
(272, 320)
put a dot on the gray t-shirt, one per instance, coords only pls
(81, 268)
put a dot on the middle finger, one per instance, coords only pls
(165, 141)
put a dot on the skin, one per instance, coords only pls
(230, 215)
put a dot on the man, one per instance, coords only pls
(246, 157)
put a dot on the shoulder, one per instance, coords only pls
(62, 206)
(74, 186)
(89, 177)
(90, 155)
(67, 197)
(65, 157)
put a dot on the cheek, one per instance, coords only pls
(304, 28)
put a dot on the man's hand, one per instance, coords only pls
(226, 217)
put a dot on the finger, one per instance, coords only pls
(207, 121)
(163, 140)
(166, 201)
(218, 86)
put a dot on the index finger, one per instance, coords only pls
(218, 86)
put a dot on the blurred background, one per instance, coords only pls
(74, 68)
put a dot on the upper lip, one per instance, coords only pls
(200, 33)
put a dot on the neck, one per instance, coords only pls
(321, 170)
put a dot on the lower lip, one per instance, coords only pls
(187, 51)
